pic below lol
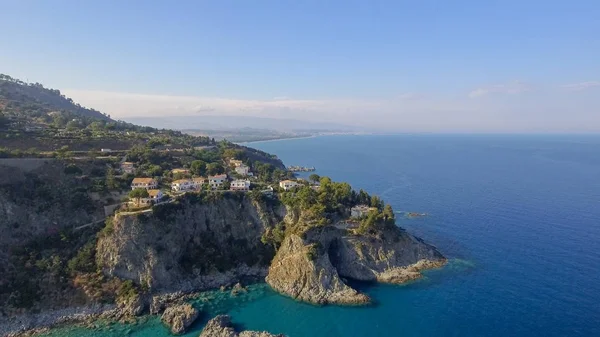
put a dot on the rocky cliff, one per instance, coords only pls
(197, 243)
(312, 266)
(39, 207)
(215, 240)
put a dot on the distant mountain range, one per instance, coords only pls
(237, 122)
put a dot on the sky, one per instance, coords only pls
(410, 66)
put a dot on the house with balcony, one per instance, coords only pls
(288, 184)
(216, 181)
(154, 196)
(240, 185)
(146, 183)
(182, 185)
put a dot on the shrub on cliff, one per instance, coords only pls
(85, 260)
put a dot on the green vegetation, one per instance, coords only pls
(375, 217)
(331, 202)
(274, 236)
(85, 260)
(138, 194)
(32, 116)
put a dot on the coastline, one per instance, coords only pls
(276, 140)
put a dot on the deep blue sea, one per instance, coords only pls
(518, 216)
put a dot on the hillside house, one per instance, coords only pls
(182, 185)
(147, 183)
(240, 185)
(198, 182)
(154, 197)
(243, 170)
(217, 181)
(360, 211)
(127, 167)
(287, 184)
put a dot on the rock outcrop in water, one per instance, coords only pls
(221, 326)
(311, 267)
(179, 317)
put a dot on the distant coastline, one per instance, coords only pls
(276, 139)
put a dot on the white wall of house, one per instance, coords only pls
(240, 185)
(182, 186)
(287, 184)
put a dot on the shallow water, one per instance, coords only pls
(519, 217)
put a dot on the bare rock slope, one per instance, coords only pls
(312, 268)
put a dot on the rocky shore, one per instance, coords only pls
(312, 267)
(221, 326)
(29, 324)
(198, 245)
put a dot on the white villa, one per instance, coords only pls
(359, 211)
(243, 170)
(127, 167)
(182, 185)
(216, 182)
(147, 183)
(240, 185)
(154, 197)
(287, 184)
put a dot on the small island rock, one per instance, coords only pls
(221, 326)
(179, 317)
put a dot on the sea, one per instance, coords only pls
(518, 216)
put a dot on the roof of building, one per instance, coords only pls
(181, 181)
(180, 170)
(218, 176)
(153, 193)
(241, 181)
(287, 181)
(143, 181)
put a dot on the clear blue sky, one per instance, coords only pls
(307, 50)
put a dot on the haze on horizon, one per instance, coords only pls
(433, 66)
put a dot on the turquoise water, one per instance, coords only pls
(519, 217)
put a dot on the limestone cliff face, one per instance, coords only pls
(304, 274)
(191, 245)
(310, 268)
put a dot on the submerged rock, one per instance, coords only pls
(221, 326)
(310, 268)
(179, 317)
(238, 288)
